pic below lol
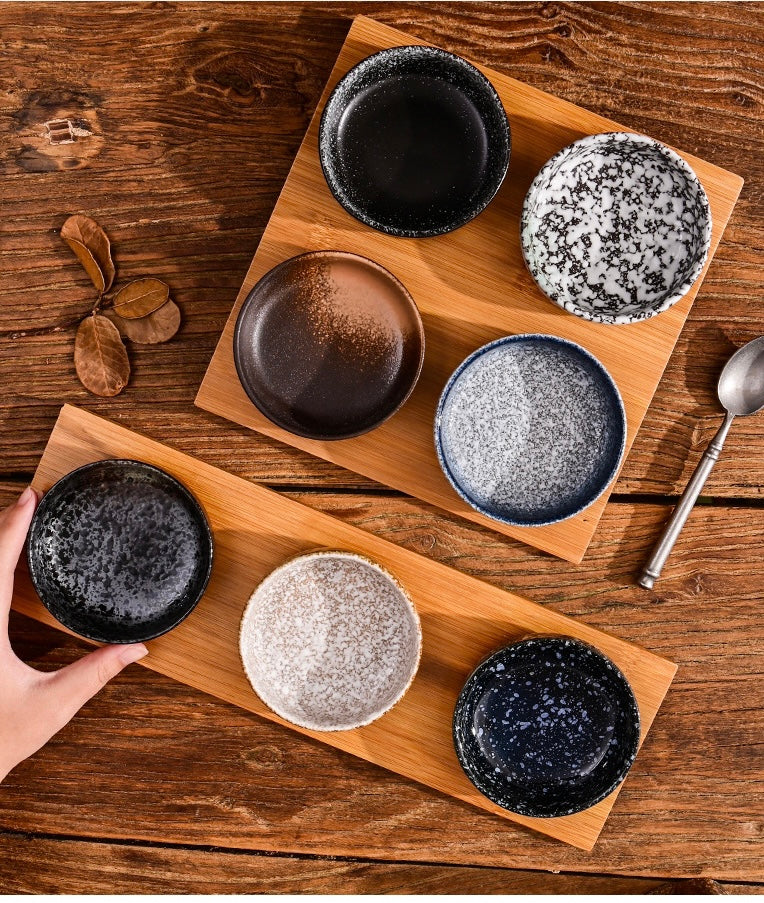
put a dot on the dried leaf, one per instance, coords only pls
(100, 358)
(160, 326)
(141, 298)
(91, 245)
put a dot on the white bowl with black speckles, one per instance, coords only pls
(530, 430)
(330, 641)
(615, 228)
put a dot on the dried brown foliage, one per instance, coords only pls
(100, 358)
(93, 249)
(159, 326)
(141, 298)
(141, 311)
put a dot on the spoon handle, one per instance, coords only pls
(673, 528)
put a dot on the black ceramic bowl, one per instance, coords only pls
(546, 727)
(119, 551)
(328, 345)
(414, 141)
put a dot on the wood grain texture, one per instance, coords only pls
(193, 134)
(471, 287)
(691, 806)
(255, 531)
(32, 865)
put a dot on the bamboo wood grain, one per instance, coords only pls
(463, 619)
(471, 287)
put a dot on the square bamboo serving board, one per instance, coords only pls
(255, 530)
(471, 287)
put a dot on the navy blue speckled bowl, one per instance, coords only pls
(546, 727)
(119, 551)
(530, 430)
(414, 141)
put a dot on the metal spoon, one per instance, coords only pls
(741, 392)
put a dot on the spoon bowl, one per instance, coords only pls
(741, 384)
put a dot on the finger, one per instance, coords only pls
(14, 525)
(68, 689)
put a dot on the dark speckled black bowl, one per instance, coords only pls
(546, 727)
(119, 551)
(414, 141)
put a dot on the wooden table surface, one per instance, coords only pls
(188, 118)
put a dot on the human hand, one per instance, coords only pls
(36, 705)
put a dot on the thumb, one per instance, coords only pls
(69, 688)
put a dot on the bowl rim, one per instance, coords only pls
(677, 160)
(513, 339)
(335, 187)
(196, 506)
(416, 321)
(410, 607)
(632, 713)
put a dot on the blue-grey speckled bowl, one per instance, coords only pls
(615, 228)
(530, 430)
(119, 551)
(546, 727)
(414, 141)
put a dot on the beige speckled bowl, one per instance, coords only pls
(330, 641)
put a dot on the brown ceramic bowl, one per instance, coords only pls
(328, 345)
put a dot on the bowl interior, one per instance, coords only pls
(616, 228)
(530, 429)
(414, 141)
(119, 551)
(546, 727)
(330, 641)
(328, 345)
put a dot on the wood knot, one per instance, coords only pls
(427, 542)
(552, 54)
(264, 757)
(703, 431)
(56, 129)
(742, 100)
(696, 585)
(236, 76)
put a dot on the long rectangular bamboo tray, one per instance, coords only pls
(471, 287)
(255, 530)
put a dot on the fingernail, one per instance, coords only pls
(133, 653)
(26, 497)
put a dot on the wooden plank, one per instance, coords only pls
(230, 74)
(170, 765)
(256, 530)
(41, 865)
(471, 287)
(683, 416)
